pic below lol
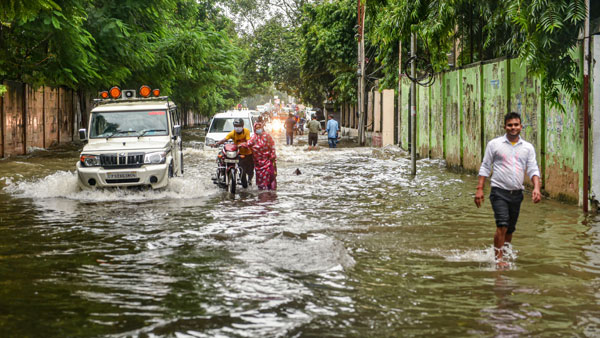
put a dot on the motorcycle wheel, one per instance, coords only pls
(232, 180)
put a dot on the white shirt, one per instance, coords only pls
(508, 163)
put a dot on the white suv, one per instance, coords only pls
(222, 123)
(131, 142)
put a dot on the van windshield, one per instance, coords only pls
(225, 125)
(129, 123)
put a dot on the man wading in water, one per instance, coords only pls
(508, 157)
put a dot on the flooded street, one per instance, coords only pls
(352, 247)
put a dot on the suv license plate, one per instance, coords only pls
(231, 161)
(114, 176)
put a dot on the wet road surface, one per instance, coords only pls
(352, 247)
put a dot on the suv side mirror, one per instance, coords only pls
(206, 129)
(82, 134)
(176, 131)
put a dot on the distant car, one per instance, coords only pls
(222, 123)
(255, 113)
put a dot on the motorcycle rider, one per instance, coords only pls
(239, 134)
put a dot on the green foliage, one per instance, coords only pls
(549, 32)
(329, 52)
(543, 33)
(185, 47)
(44, 43)
(308, 49)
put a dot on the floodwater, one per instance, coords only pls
(352, 247)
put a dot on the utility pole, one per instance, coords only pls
(586, 106)
(413, 105)
(361, 87)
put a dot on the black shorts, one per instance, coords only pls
(312, 139)
(506, 205)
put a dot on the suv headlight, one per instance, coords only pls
(87, 160)
(158, 157)
(209, 141)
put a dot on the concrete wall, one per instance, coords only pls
(377, 112)
(453, 118)
(388, 116)
(436, 136)
(423, 126)
(464, 109)
(369, 120)
(404, 113)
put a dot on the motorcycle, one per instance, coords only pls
(229, 171)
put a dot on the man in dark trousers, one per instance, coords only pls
(313, 132)
(508, 157)
(289, 125)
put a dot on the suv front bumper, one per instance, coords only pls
(154, 175)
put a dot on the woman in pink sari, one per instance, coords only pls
(263, 149)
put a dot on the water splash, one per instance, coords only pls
(63, 184)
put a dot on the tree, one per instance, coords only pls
(185, 47)
(328, 56)
(542, 33)
(42, 42)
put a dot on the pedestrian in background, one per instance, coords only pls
(508, 157)
(289, 125)
(333, 131)
(314, 127)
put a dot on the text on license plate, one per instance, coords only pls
(231, 161)
(120, 175)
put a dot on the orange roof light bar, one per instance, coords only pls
(145, 91)
(115, 92)
(156, 92)
(104, 94)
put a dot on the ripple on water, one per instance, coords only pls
(353, 246)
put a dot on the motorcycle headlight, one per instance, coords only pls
(89, 160)
(158, 157)
(209, 141)
(231, 154)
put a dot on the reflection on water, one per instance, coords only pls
(353, 246)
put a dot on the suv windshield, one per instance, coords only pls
(225, 125)
(129, 123)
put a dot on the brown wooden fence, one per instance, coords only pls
(44, 117)
(37, 117)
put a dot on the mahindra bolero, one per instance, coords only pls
(133, 139)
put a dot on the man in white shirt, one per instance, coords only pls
(508, 157)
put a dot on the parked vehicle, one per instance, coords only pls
(131, 141)
(229, 171)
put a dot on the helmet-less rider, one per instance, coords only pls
(239, 134)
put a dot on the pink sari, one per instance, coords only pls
(263, 150)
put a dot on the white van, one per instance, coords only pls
(131, 142)
(222, 123)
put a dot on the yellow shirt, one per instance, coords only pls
(240, 138)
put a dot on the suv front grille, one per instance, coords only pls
(122, 160)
